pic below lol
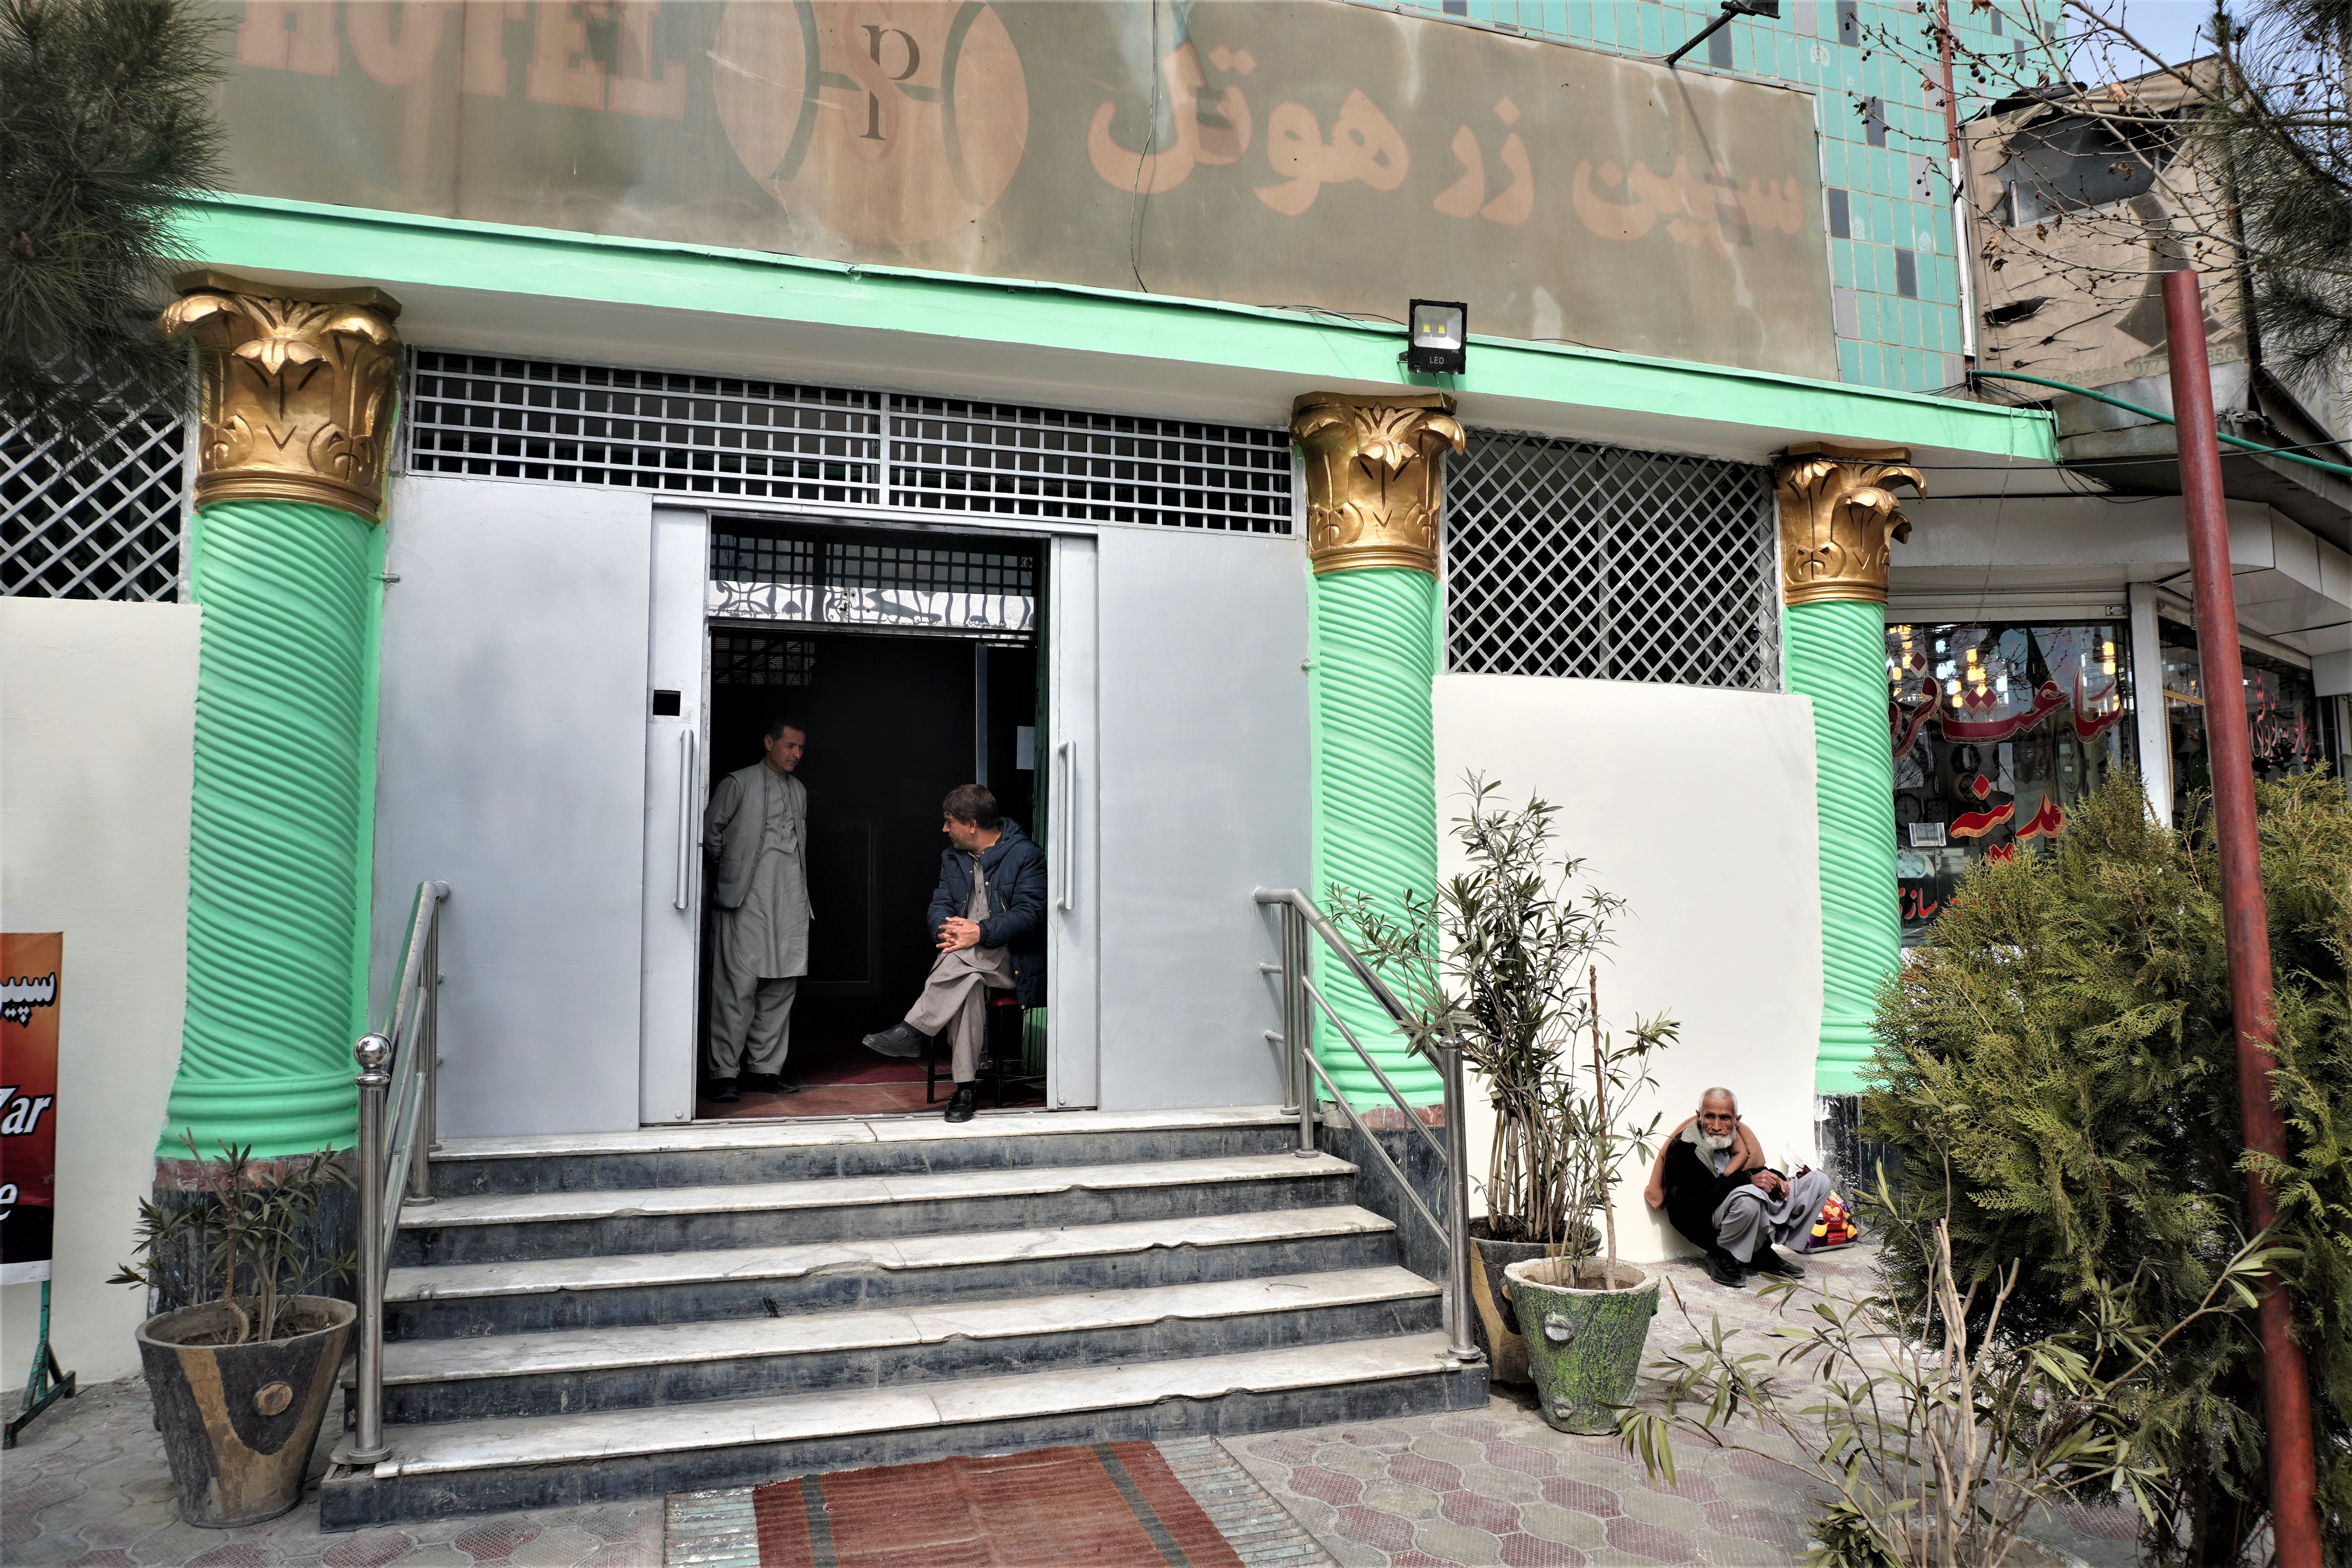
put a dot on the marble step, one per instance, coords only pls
(431, 1381)
(555, 1460)
(537, 1296)
(493, 1227)
(701, 1154)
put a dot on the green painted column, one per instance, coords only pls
(1371, 639)
(1837, 656)
(274, 893)
(284, 561)
(1373, 501)
(1838, 521)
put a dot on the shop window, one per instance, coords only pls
(1999, 730)
(2287, 725)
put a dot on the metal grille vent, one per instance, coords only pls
(750, 659)
(927, 585)
(100, 524)
(587, 424)
(714, 435)
(1567, 559)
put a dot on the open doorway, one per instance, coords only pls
(912, 662)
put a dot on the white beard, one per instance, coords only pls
(1718, 1144)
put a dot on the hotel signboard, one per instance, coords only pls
(1277, 153)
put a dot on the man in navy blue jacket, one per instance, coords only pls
(989, 916)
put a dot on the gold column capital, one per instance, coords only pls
(1839, 520)
(1373, 478)
(297, 396)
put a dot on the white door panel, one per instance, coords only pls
(1205, 782)
(510, 750)
(1073, 850)
(674, 801)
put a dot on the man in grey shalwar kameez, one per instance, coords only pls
(1712, 1180)
(757, 829)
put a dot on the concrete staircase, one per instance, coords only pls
(618, 1315)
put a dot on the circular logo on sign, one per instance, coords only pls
(886, 122)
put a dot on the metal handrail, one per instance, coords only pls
(1302, 1072)
(395, 1145)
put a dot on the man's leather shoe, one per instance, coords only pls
(963, 1102)
(720, 1092)
(1725, 1271)
(1767, 1261)
(769, 1083)
(901, 1040)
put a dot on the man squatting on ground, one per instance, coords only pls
(1712, 1183)
(756, 829)
(996, 879)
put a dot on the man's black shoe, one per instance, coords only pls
(1724, 1270)
(721, 1090)
(963, 1102)
(898, 1040)
(769, 1083)
(1767, 1261)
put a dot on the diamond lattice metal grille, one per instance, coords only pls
(589, 425)
(1567, 559)
(533, 419)
(104, 524)
(1101, 468)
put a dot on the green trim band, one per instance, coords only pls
(1373, 646)
(280, 788)
(1707, 405)
(1837, 657)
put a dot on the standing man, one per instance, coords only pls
(988, 915)
(757, 830)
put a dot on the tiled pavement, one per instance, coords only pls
(87, 1484)
(1498, 1487)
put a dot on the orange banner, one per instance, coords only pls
(30, 963)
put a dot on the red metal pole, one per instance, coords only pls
(2286, 1388)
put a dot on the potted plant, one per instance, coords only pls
(1502, 960)
(240, 1380)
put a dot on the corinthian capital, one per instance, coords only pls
(1839, 519)
(296, 393)
(1372, 484)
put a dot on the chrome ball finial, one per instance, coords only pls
(372, 1052)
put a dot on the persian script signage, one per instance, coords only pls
(1303, 153)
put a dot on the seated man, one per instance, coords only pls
(1712, 1183)
(989, 914)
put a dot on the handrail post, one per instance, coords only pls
(366, 1445)
(1298, 1026)
(427, 1042)
(1461, 1351)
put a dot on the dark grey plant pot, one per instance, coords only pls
(239, 1421)
(1494, 1327)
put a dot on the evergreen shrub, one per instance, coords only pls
(2057, 1070)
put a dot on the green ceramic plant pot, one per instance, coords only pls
(1584, 1342)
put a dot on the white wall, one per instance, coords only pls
(97, 726)
(1696, 807)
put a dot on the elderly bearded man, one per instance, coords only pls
(1712, 1183)
(757, 830)
(989, 916)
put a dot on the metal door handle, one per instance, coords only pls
(685, 820)
(1065, 803)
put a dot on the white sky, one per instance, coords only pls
(2173, 28)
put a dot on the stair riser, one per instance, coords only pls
(352, 1502)
(623, 1172)
(849, 1289)
(900, 1366)
(617, 1235)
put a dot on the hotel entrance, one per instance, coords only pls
(914, 660)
